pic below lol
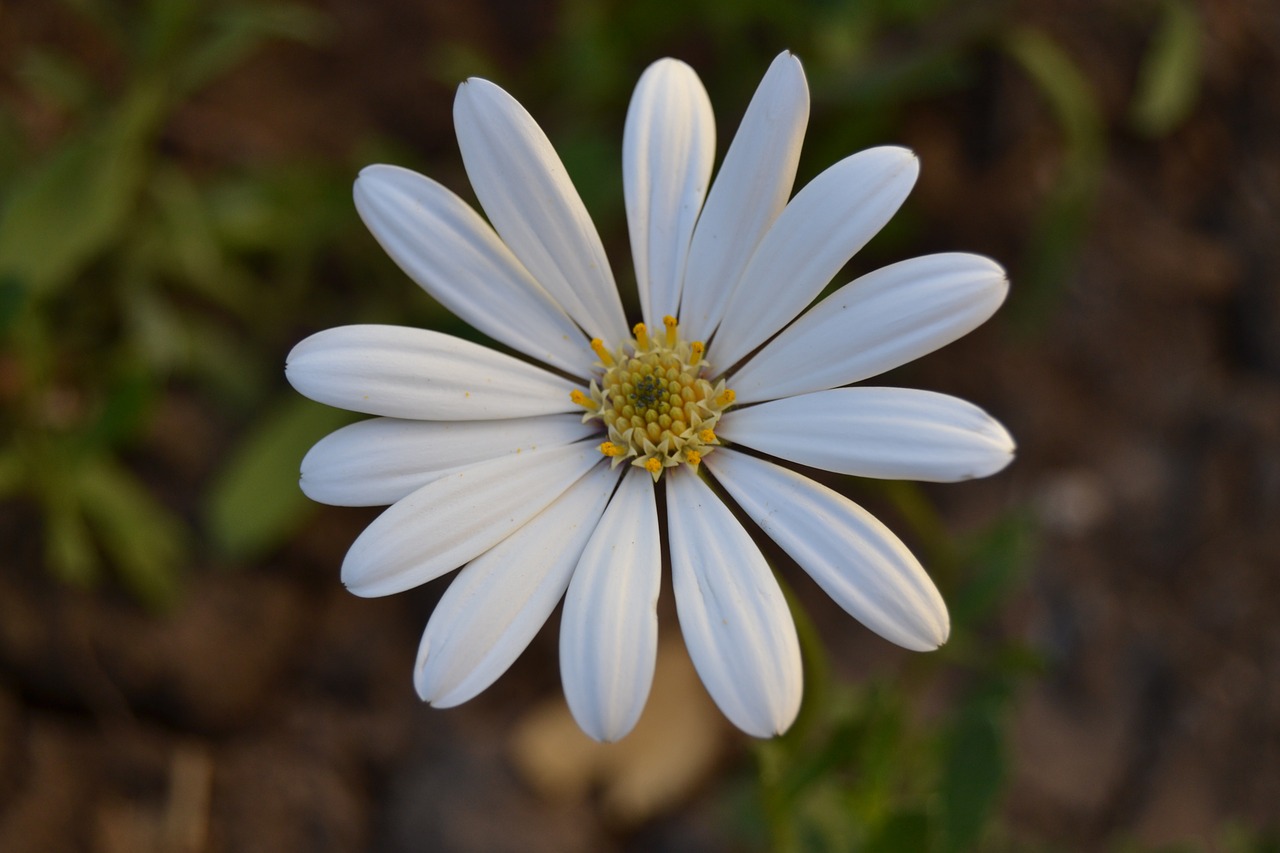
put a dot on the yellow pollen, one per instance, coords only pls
(601, 353)
(657, 403)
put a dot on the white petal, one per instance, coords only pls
(875, 323)
(853, 557)
(819, 231)
(890, 433)
(524, 189)
(417, 373)
(499, 600)
(734, 618)
(381, 460)
(750, 190)
(609, 630)
(457, 518)
(667, 150)
(444, 245)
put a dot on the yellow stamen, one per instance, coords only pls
(657, 408)
(601, 353)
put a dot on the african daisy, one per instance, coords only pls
(539, 476)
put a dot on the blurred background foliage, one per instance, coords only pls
(127, 271)
(135, 272)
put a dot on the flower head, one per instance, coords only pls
(540, 481)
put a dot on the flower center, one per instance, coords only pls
(658, 408)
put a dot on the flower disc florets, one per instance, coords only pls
(659, 409)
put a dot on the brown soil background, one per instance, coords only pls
(272, 711)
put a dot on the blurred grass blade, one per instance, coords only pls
(237, 30)
(1169, 79)
(68, 547)
(66, 213)
(1064, 86)
(973, 775)
(997, 562)
(1065, 216)
(145, 541)
(255, 503)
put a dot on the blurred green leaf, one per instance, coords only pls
(1169, 78)
(13, 298)
(56, 80)
(107, 17)
(127, 400)
(881, 753)
(903, 832)
(12, 471)
(162, 32)
(973, 775)
(187, 245)
(64, 214)
(255, 503)
(1239, 837)
(146, 542)
(13, 151)
(171, 340)
(457, 60)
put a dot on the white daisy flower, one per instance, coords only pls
(541, 481)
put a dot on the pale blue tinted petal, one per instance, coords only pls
(524, 189)
(819, 231)
(417, 373)
(499, 600)
(890, 433)
(609, 630)
(734, 618)
(749, 191)
(667, 149)
(381, 460)
(853, 557)
(457, 518)
(444, 245)
(875, 323)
